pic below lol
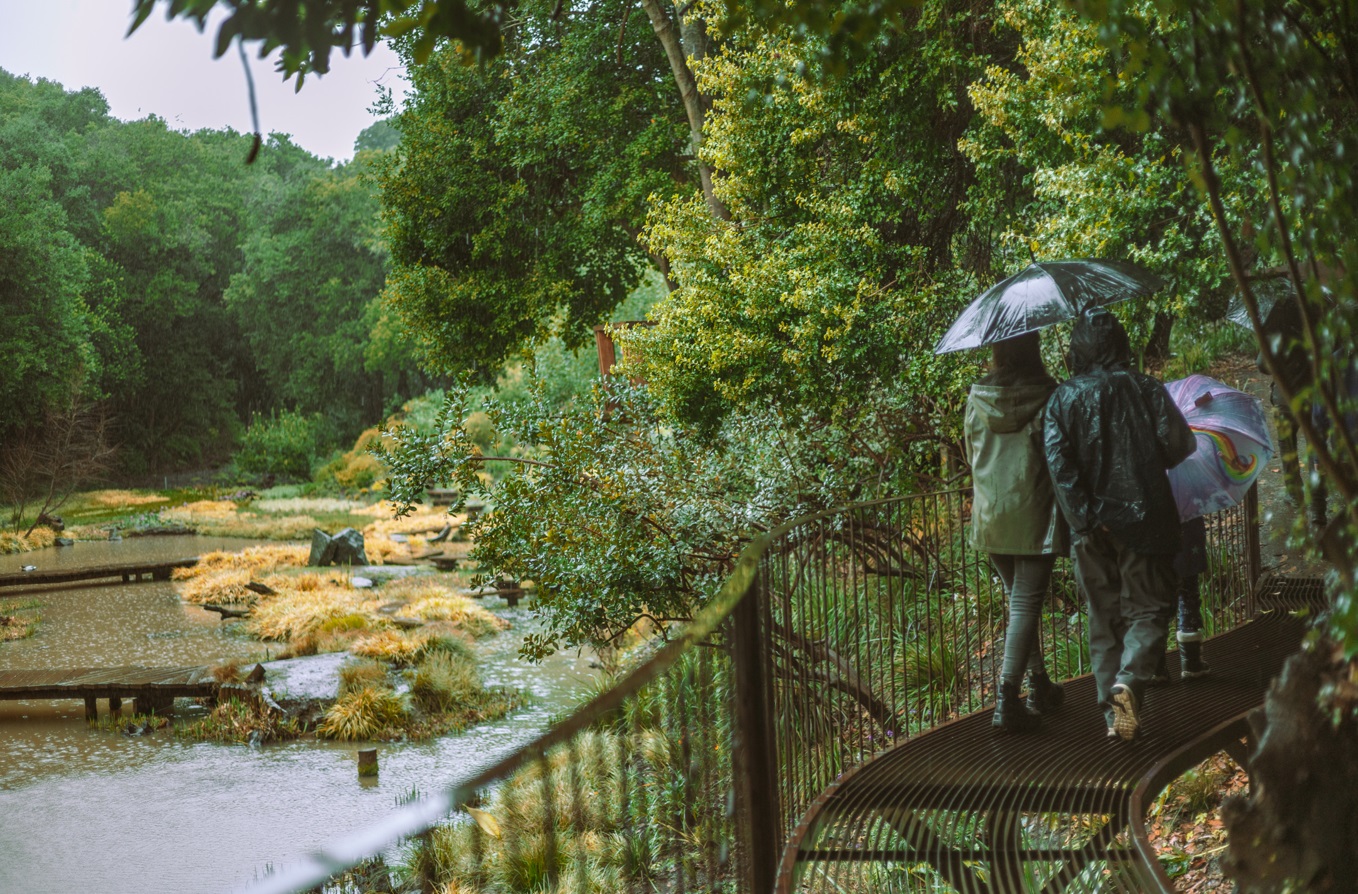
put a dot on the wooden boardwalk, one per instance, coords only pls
(154, 689)
(977, 785)
(127, 572)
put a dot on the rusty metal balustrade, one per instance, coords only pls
(881, 622)
(837, 639)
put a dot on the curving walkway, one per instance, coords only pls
(1048, 811)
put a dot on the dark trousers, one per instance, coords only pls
(1130, 595)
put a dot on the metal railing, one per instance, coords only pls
(835, 637)
(882, 621)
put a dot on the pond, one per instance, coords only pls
(90, 810)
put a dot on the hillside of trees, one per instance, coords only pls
(153, 281)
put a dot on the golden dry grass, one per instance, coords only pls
(368, 713)
(118, 499)
(381, 550)
(419, 521)
(429, 599)
(202, 509)
(391, 646)
(258, 559)
(18, 542)
(294, 613)
(225, 586)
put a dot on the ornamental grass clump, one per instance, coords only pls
(372, 712)
(362, 674)
(392, 646)
(258, 559)
(469, 617)
(17, 542)
(226, 586)
(444, 681)
(429, 599)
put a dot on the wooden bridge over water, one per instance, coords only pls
(127, 572)
(152, 689)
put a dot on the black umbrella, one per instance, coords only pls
(1043, 294)
(1274, 297)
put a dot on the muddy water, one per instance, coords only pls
(86, 810)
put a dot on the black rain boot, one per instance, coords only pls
(1161, 675)
(1191, 664)
(1011, 714)
(1044, 696)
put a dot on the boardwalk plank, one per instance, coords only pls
(157, 571)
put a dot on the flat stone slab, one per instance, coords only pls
(310, 677)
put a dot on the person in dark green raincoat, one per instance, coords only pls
(1014, 516)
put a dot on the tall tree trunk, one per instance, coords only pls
(678, 47)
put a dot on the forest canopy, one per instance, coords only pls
(150, 274)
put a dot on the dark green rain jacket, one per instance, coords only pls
(1014, 509)
(1111, 434)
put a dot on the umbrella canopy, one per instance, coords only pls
(1233, 445)
(1272, 295)
(1043, 294)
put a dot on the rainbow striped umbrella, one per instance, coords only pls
(1233, 445)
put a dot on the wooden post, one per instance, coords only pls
(758, 819)
(367, 762)
(1252, 536)
(115, 705)
(91, 709)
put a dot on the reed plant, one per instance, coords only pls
(372, 712)
(234, 721)
(362, 674)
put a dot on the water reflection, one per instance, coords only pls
(86, 810)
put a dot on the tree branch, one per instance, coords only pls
(695, 105)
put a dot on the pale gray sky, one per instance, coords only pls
(167, 69)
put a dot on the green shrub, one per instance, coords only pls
(283, 445)
(357, 469)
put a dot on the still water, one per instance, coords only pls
(82, 810)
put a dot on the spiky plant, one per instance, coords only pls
(369, 713)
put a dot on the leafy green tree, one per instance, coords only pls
(306, 295)
(1055, 182)
(175, 236)
(43, 338)
(514, 199)
(377, 137)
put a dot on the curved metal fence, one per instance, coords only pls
(835, 638)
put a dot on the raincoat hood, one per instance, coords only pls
(1098, 341)
(1004, 409)
(1110, 435)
